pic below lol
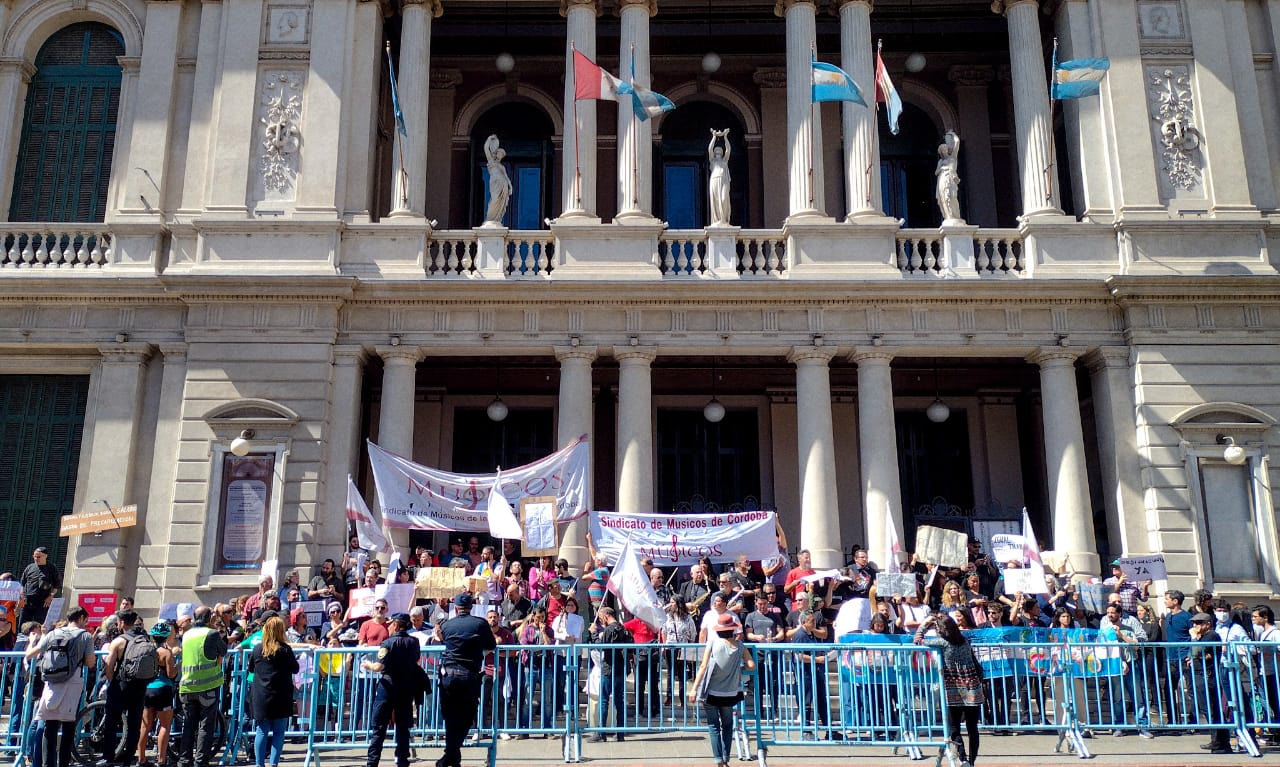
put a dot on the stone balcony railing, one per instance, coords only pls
(587, 250)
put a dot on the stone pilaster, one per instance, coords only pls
(819, 506)
(1114, 413)
(235, 110)
(195, 181)
(143, 182)
(15, 76)
(156, 555)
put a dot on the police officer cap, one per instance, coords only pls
(401, 618)
(462, 601)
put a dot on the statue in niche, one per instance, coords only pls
(499, 182)
(718, 188)
(948, 174)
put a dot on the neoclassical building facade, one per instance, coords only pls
(215, 231)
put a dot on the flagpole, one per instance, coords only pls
(1053, 103)
(635, 141)
(875, 119)
(813, 56)
(404, 175)
(577, 169)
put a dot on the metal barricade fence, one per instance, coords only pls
(15, 709)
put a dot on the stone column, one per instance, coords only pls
(116, 391)
(574, 420)
(635, 428)
(148, 151)
(395, 412)
(878, 454)
(635, 136)
(1121, 466)
(1031, 107)
(1064, 456)
(343, 442)
(15, 76)
(235, 111)
(195, 181)
(971, 83)
(324, 165)
(413, 77)
(861, 142)
(579, 175)
(804, 130)
(819, 508)
(155, 554)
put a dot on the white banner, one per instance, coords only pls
(682, 539)
(421, 498)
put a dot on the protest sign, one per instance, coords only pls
(98, 520)
(895, 584)
(987, 529)
(399, 598)
(1024, 580)
(55, 612)
(682, 539)
(937, 545)
(99, 605)
(1093, 597)
(538, 518)
(314, 611)
(1145, 567)
(422, 498)
(10, 591)
(1006, 547)
(437, 582)
(172, 611)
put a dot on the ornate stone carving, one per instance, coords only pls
(948, 178)
(1173, 107)
(971, 75)
(288, 24)
(443, 78)
(281, 119)
(1161, 20)
(770, 77)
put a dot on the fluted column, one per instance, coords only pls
(635, 428)
(413, 78)
(1031, 107)
(574, 419)
(1114, 413)
(861, 147)
(804, 130)
(579, 174)
(148, 150)
(635, 136)
(878, 450)
(1064, 456)
(819, 507)
(395, 411)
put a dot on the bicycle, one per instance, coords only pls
(85, 747)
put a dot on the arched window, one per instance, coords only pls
(907, 164)
(69, 127)
(524, 132)
(683, 168)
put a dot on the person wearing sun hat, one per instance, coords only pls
(718, 684)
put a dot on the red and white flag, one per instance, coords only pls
(892, 542)
(629, 583)
(592, 82)
(1030, 547)
(368, 528)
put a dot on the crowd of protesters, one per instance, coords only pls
(543, 601)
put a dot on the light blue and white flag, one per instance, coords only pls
(1079, 77)
(831, 83)
(645, 102)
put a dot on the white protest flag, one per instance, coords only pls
(892, 542)
(368, 528)
(1030, 546)
(502, 519)
(631, 586)
(393, 567)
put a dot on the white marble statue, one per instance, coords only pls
(718, 188)
(499, 183)
(948, 174)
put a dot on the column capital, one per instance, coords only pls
(353, 354)
(1115, 357)
(134, 353)
(1054, 356)
(781, 7)
(1003, 6)
(648, 5)
(971, 75)
(399, 354)
(566, 353)
(172, 352)
(568, 5)
(872, 355)
(811, 355)
(770, 77)
(434, 6)
(645, 354)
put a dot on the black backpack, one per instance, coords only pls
(140, 661)
(55, 664)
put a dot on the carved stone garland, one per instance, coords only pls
(281, 135)
(1173, 108)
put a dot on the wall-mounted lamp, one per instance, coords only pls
(241, 445)
(1233, 454)
(505, 62)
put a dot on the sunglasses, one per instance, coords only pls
(380, 608)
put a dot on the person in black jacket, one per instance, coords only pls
(272, 665)
(466, 640)
(607, 629)
(40, 584)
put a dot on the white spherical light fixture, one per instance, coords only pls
(497, 410)
(938, 412)
(241, 445)
(916, 62)
(711, 63)
(505, 62)
(713, 411)
(1233, 454)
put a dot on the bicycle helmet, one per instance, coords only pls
(161, 629)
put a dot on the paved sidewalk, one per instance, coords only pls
(683, 749)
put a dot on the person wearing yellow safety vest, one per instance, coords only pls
(203, 648)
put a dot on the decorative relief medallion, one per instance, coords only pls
(1161, 20)
(1173, 109)
(288, 24)
(281, 120)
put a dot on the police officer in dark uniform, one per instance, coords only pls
(397, 659)
(466, 640)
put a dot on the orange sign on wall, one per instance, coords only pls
(97, 521)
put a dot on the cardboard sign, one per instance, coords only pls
(55, 612)
(896, 584)
(436, 582)
(1145, 567)
(98, 520)
(1025, 580)
(1006, 547)
(314, 611)
(538, 518)
(99, 605)
(937, 545)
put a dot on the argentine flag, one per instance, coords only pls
(831, 83)
(645, 102)
(1079, 77)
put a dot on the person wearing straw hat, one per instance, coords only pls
(718, 684)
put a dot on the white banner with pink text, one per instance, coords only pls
(682, 539)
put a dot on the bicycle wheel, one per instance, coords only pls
(84, 748)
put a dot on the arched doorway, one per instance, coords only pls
(683, 168)
(524, 132)
(907, 164)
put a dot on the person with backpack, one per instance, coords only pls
(63, 655)
(132, 662)
(157, 709)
